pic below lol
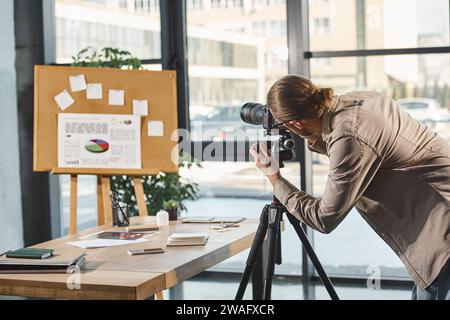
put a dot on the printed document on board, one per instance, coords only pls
(99, 141)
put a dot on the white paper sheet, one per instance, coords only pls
(94, 91)
(99, 141)
(78, 83)
(64, 100)
(116, 97)
(155, 129)
(101, 243)
(140, 107)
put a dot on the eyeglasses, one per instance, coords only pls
(282, 125)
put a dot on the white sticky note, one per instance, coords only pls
(116, 97)
(140, 107)
(78, 83)
(94, 91)
(155, 129)
(64, 100)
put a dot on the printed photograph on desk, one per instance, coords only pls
(117, 235)
(122, 235)
(111, 239)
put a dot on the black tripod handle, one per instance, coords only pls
(273, 245)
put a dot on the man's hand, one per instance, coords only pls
(268, 165)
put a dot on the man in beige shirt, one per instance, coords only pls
(387, 165)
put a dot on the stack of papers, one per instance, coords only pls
(60, 262)
(187, 239)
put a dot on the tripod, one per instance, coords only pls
(270, 224)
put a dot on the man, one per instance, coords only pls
(389, 166)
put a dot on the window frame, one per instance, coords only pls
(301, 59)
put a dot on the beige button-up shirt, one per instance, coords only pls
(394, 170)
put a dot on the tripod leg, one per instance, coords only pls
(255, 251)
(258, 277)
(312, 255)
(272, 248)
(279, 257)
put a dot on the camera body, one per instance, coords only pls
(259, 114)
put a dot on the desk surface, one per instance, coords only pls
(110, 273)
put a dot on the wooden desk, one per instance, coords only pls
(110, 273)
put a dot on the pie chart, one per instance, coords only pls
(97, 146)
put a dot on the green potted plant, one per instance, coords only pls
(172, 206)
(162, 187)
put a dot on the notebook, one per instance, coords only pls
(30, 253)
(213, 220)
(65, 258)
(59, 262)
(187, 239)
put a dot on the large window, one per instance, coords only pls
(419, 82)
(132, 25)
(376, 24)
(236, 49)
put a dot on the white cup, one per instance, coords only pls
(162, 218)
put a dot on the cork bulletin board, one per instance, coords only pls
(157, 87)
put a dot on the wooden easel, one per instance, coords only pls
(157, 87)
(104, 209)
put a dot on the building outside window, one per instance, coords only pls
(322, 26)
(254, 36)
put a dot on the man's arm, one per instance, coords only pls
(352, 166)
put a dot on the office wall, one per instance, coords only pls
(35, 186)
(11, 235)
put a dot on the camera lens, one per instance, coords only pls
(253, 113)
(288, 144)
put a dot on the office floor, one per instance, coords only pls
(225, 290)
(213, 289)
